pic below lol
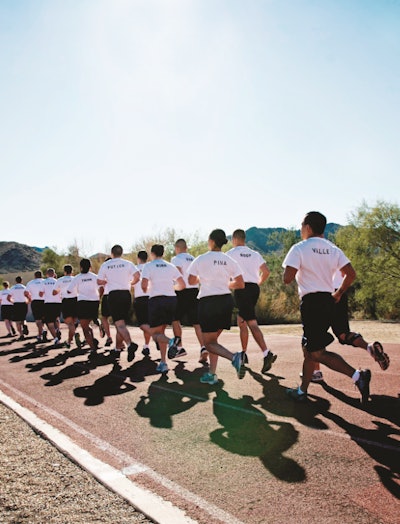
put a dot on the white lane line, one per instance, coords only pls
(157, 513)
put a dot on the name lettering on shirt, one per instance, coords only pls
(220, 263)
(321, 251)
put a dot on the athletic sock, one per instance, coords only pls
(356, 376)
(265, 352)
(369, 349)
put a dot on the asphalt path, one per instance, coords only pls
(236, 452)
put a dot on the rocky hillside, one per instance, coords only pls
(16, 257)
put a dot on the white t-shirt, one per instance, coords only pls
(162, 276)
(316, 260)
(17, 293)
(3, 297)
(63, 284)
(85, 286)
(183, 261)
(249, 261)
(215, 270)
(34, 286)
(47, 287)
(118, 273)
(138, 291)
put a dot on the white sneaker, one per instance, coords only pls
(317, 376)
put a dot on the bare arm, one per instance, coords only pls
(264, 273)
(237, 283)
(180, 284)
(349, 276)
(289, 274)
(136, 278)
(145, 284)
(101, 282)
(193, 280)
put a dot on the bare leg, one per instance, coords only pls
(244, 332)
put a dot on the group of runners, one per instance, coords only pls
(201, 292)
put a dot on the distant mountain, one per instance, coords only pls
(269, 239)
(16, 257)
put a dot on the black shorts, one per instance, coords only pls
(120, 302)
(340, 322)
(246, 300)
(105, 308)
(187, 308)
(37, 307)
(88, 309)
(7, 312)
(317, 310)
(215, 313)
(161, 310)
(52, 310)
(141, 308)
(69, 307)
(20, 310)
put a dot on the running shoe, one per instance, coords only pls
(317, 376)
(294, 394)
(209, 378)
(131, 351)
(203, 356)
(21, 337)
(78, 340)
(162, 367)
(379, 355)
(238, 364)
(115, 354)
(108, 342)
(268, 361)
(92, 354)
(146, 351)
(363, 384)
(9, 335)
(180, 353)
(245, 358)
(13, 331)
(25, 329)
(58, 333)
(172, 348)
(39, 339)
(56, 341)
(66, 345)
(44, 336)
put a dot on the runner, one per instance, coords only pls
(341, 329)
(217, 274)
(20, 307)
(85, 287)
(255, 272)
(119, 274)
(187, 305)
(313, 262)
(141, 304)
(68, 304)
(105, 311)
(158, 279)
(33, 288)
(7, 309)
(52, 304)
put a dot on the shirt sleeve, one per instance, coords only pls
(292, 259)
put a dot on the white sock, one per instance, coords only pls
(369, 349)
(265, 352)
(300, 391)
(356, 376)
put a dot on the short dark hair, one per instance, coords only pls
(117, 250)
(181, 242)
(38, 274)
(68, 269)
(18, 279)
(85, 265)
(317, 222)
(157, 250)
(142, 255)
(219, 237)
(51, 271)
(239, 233)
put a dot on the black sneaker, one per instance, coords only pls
(115, 354)
(172, 349)
(131, 351)
(44, 336)
(58, 333)
(146, 351)
(108, 342)
(245, 359)
(92, 354)
(78, 340)
(363, 384)
(13, 331)
(180, 353)
(268, 361)
(203, 356)
(25, 329)
(96, 343)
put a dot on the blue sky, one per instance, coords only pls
(122, 118)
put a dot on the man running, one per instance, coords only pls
(52, 304)
(33, 288)
(141, 304)
(119, 275)
(255, 273)
(19, 299)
